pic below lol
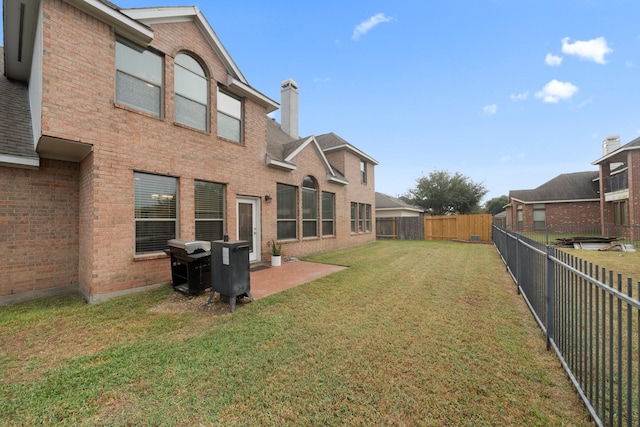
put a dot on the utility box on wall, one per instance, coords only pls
(230, 275)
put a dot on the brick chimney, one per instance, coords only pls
(289, 107)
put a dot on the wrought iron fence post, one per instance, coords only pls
(550, 296)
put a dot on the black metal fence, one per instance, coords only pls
(591, 319)
(626, 234)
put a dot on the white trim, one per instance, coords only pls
(337, 180)
(123, 24)
(614, 153)
(399, 208)
(555, 201)
(309, 140)
(280, 164)
(19, 162)
(242, 88)
(355, 150)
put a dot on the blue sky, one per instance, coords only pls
(510, 93)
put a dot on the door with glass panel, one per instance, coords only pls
(248, 225)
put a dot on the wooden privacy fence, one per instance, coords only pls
(446, 227)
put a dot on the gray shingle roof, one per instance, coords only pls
(16, 136)
(568, 186)
(384, 201)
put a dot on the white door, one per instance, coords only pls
(248, 225)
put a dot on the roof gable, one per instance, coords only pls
(332, 142)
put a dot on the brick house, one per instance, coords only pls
(389, 207)
(619, 173)
(127, 128)
(556, 205)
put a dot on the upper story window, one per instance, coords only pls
(229, 116)
(192, 93)
(363, 172)
(309, 207)
(138, 78)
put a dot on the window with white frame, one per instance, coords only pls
(155, 206)
(363, 172)
(229, 116)
(519, 220)
(539, 216)
(309, 207)
(361, 210)
(191, 93)
(367, 220)
(328, 214)
(287, 217)
(209, 210)
(139, 75)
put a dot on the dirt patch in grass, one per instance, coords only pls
(180, 303)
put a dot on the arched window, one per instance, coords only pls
(191, 93)
(309, 207)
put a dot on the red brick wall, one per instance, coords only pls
(79, 105)
(560, 217)
(38, 227)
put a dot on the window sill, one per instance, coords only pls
(222, 138)
(133, 110)
(150, 256)
(183, 126)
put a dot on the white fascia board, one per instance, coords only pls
(19, 162)
(356, 151)
(280, 165)
(548, 202)
(614, 153)
(337, 180)
(123, 24)
(241, 88)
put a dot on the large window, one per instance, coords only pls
(192, 93)
(155, 200)
(328, 214)
(309, 207)
(138, 78)
(620, 212)
(229, 116)
(539, 216)
(209, 206)
(360, 218)
(287, 212)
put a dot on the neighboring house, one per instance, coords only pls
(388, 206)
(619, 172)
(122, 129)
(556, 205)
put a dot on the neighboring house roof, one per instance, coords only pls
(386, 202)
(330, 142)
(16, 135)
(568, 187)
(619, 155)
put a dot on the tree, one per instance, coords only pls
(496, 205)
(443, 194)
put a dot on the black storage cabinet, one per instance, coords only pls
(190, 265)
(230, 275)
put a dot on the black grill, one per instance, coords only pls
(190, 265)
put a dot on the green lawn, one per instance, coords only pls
(412, 333)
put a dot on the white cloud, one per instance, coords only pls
(365, 26)
(490, 110)
(554, 91)
(504, 158)
(519, 96)
(591, 50)
(552, 60)
(321, 79)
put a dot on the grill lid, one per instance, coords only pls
(190, 247)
